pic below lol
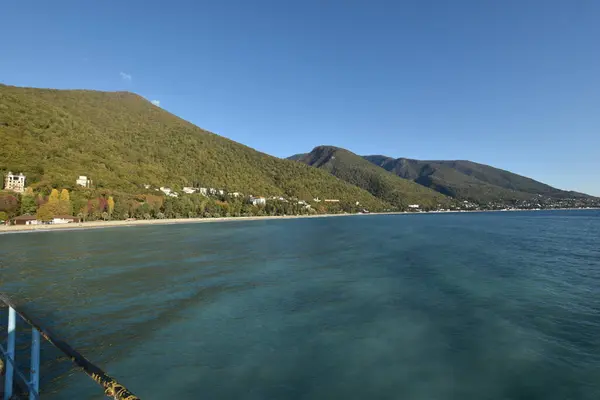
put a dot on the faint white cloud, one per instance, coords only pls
(125, 76)
(156, 103)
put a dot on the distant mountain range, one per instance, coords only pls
(380, 183)
(468, 180)
(463, 180)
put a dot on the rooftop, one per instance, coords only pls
(25, 217)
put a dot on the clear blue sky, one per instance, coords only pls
(512, 83)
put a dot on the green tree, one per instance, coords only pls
(3, 216)
(168, 209)
(143, 210)
(28, 205)
(79, 205)
(121, 210)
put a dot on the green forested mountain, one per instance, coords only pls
(121, 141)
(382, 184)
(297, 157)
(468, 180)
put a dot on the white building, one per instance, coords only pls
(203, 191)
(235, 194)
(189, 190)
(316, 200)
(258, 201)
(65, 219)
(14, 182)
(221, 192)
(83, 181)
(168, 191)
(332, 201)
(413, 206)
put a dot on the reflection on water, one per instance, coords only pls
(488, 306)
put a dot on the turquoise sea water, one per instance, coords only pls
(448, 306)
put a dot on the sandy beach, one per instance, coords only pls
(111, 224)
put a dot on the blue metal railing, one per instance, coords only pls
(111, 387)
(33, 383)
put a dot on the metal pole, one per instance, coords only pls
(10, 353)
(35, 364)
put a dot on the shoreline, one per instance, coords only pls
(143, 222)
(173, 221)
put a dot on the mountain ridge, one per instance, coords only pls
(469, 180)
(356, 170)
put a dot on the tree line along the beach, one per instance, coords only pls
(95, 205)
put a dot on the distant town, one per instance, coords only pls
(20, 205)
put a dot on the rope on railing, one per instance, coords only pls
(111, 387)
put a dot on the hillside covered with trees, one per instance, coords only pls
(123, 142)
(469, 180)
(377, 181)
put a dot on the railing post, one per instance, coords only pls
(10, 353)
(35, 364)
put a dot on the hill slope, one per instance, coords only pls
(382, 184)
(468, 180)
(122, 141)
(297, 157)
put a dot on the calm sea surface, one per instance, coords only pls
(448, 306)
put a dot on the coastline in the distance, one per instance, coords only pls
(7, 229)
